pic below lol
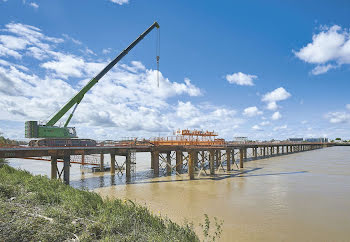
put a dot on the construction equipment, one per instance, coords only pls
(62, 135)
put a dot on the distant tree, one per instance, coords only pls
(345, 141)
(337, 138)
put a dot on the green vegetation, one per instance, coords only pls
(7, 141)
(34, 208)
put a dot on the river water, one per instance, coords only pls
(298, 197)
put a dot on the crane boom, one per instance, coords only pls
(79, 96)
(48, 130)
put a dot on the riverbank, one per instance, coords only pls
(34, 208)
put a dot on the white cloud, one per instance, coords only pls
(348, 106)
(338, 117)
(241, 79)
(280, 127)
(331, 45)
(320, 69)
(276, 116)
(252, 111)
(120, 2)
(107, 51)
(264, 123)
(34, 5)
(279, 94)
(257, 128)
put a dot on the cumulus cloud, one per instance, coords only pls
(276, 116)
(252, 111)
(34, 5)
(271, 98)
(241, 79)
(329, 49)
(264, 123)
(120, 2)
(280, 127)
(338, 117)
(257, 128)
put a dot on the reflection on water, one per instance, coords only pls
(298, 197)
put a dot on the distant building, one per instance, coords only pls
(296, 139)
(240, 139)
(317, 140)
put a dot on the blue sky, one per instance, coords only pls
(264, 70)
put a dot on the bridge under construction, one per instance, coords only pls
(196, 159)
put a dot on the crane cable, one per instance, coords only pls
(158, 53)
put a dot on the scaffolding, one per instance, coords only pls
(133, 162)
(189, 137)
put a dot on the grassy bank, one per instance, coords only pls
(34, 208)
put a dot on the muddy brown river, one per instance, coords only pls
(297, 197)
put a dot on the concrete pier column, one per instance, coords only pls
(191, 165)
(264, 151)
(211, 162)
(102, 159)
(241, 157)
(112, 163)
(255, 153)
(228, 156)
(128, 166)
(179, 161)
(53, 167)
(218, 158)
(152, 160)
(245, 153)
(271, 150)
(233, 156)
(155, 162)
(66, 169)
(282, 147)
(195, 158)
(278, 150)
(83, 159)
(168, 160)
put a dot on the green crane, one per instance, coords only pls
(49, 130)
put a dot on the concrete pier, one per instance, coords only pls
(179, 161)
(241, 157)
(66, 169)
(112, 163)
(168, 160)
(191, 155)
(228, 162)
(211, 162)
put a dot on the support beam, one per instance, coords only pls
(241, 157)
(155, 162)
(264, 151)
(152, 160)
(102, 159)
(233, 156)
(228, 156)
(179, 161)
(168, 160)
(112, 163)
(53, 167)
(256, 153)
(66, 169)
(211, 162)
(191, 165)
(128, 166)
(195, 158)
